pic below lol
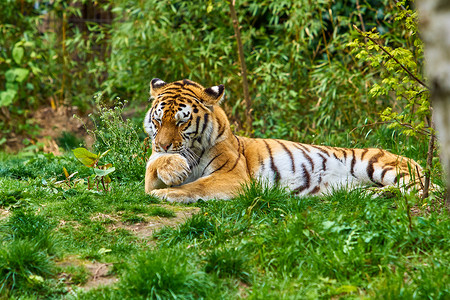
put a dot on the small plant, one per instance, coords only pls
(112, 132)
(67, 181)
(91, 160)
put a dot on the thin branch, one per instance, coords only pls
(248, 101)
(429, 165)
(360, 16)
(402, 7)
(391, 56)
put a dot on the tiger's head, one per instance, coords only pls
(181, 116)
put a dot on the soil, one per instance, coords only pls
(100, 272)
(4, 213)
(53, 122)
(145, 230)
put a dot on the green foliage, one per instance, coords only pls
(29, 64)
(165, 274)
(23, 266)
(299, 67)
(401, 73)
(28, 226)
(112, 132)
(91, 160)
(228, 262)
(293, 51)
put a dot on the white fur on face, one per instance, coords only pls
(183, 114)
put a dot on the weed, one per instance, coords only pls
(91, 160)
(112, 132)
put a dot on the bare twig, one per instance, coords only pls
(429, 165)
(360, 16)
(391, 56)
(248, 102)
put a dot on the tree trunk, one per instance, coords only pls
(434, 22)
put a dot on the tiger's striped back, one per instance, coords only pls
(312, 169)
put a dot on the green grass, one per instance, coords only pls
(264, 244)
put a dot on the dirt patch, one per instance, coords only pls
(99, 272)
(4, 213)
(52, 121)
(100, 275)
(145, 229)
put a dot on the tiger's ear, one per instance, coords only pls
(155, 86)
(213, 95)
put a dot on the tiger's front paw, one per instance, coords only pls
(172, 195)
(174, 170)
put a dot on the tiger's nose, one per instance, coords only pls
(166, 146)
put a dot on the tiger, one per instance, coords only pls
(195, 154)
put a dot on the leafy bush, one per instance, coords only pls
(128, 153)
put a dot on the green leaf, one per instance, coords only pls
(21, 74)
(7, 97)
(10, 75)
(16, 74)
(346, 289)
(86, 157)
(100, 172)
(104, 153)
(103, 251)
(17, 54)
